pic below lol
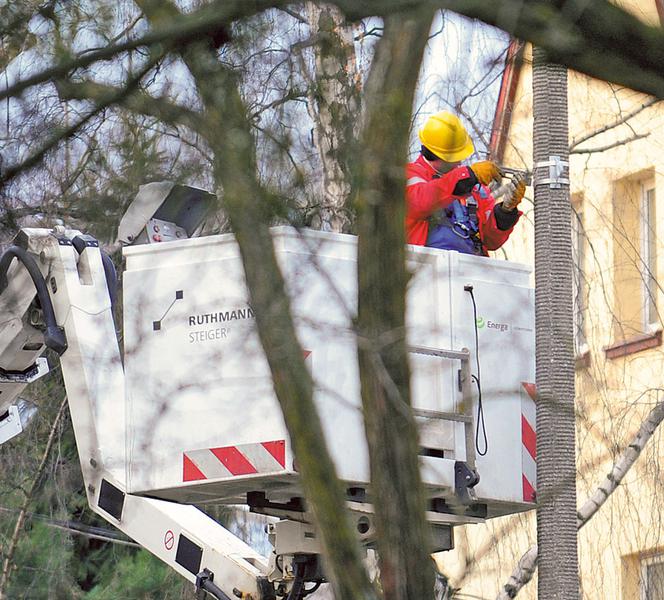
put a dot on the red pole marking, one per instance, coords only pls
(277, 450)
(190, 472)
(234, 460)
(528, 437)
(169, 540)
(531, 388)
(528, 490)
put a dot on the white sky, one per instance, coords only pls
(460, 60)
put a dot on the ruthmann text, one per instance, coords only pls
(216, 333)
(221, 317)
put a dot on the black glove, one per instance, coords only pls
(505, 219)
(464, 186)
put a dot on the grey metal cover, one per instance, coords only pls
(182, 205)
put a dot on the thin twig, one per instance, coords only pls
(616, 123)
(636, 136)
(110, 100)
(6, 567)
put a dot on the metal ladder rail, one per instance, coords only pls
(466, 415)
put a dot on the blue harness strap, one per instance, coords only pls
(456, 228)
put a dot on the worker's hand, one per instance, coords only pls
(486, 171)
(512, 200)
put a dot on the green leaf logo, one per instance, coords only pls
(480, 322)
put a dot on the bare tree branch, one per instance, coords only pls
(186, 29)
(11, 549)
(616, 123)
(291, 95)
(402, 536)
(632, 138)
(140, 102)
(114, 96)
(296, 15)
(582, 38)
(528, 562)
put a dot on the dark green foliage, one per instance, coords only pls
(51, 562)
(43, 565)
(137, 575)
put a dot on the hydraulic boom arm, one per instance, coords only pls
(54, 293)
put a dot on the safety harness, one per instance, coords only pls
(456, 227)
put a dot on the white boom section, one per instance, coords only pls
(182, 536)
(20, 347)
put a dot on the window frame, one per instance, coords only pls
(649, 288)
(580, 287)
(646, 562)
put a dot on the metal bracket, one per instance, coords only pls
(10, 425)
(465, 479)
(557, 167)
(205, 583)
(512, 173)
(32, 373)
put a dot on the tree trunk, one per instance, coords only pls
(248, 209)
(334, 105)
(556, 464)
(250, 212)
(397, 491)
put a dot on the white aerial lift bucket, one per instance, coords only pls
(187, 413)
(203, 422)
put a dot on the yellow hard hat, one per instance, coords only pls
(446, 137)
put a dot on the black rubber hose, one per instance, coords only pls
(83, 241)
(297, 591)
(212, 588)
(54, 336)
(111, 277)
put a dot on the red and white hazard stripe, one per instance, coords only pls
(528, 441)
(233, 461)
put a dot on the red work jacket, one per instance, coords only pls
(425, 195)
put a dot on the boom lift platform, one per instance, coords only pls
(187, 414)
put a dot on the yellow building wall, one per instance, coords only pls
(613, 395)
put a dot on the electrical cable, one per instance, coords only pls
(77, 528)
(205, 582)
(297, 591)
(111, 277)
(54, 336)
(477, 378)
(313, 589)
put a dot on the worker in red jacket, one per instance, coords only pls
(449, 206)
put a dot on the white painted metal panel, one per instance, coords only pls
(505, 328)
(197, 381)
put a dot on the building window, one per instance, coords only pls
(580, 285)
(634, 259)
(652, 578)
(649, 258)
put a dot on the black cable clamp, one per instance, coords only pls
(205, 582)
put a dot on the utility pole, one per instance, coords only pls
(556, 457)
